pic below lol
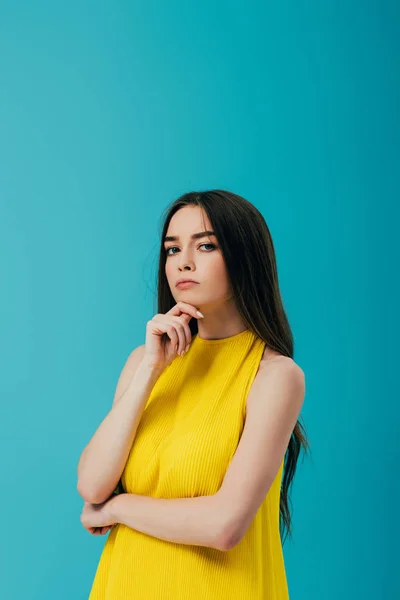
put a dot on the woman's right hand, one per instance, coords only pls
(168, 336)
(98, 530)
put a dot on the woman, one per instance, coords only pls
(204, 415)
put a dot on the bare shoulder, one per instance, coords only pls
(134, 358)
(281, 378)
(271, 357)
(272, 361)
(128, 371)
(137, 352)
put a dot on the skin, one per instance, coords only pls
(201, 260)
(221, 520)
(274, 402)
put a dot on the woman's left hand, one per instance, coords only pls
(97, 516)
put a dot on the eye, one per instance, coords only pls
(173, 247)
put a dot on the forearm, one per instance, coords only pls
(197, 521)
(103, 459)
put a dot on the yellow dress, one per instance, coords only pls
(188, 433)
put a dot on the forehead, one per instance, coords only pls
(187, 220)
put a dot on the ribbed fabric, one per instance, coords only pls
(186, 438)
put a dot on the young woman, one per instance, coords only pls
(204, 415)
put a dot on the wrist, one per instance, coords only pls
(112, 507)
(151, 368)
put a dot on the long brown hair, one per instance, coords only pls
(249, 254)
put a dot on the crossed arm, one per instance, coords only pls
(221, 520)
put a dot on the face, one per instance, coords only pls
(199, 258)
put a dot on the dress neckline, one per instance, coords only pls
(228, 339)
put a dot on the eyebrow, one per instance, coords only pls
(195, 236)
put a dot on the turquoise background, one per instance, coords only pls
(108, 112)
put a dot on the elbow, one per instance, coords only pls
(83, 493)
(89, 495)
(229, 538)
(231, 529)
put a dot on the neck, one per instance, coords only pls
(219, 324)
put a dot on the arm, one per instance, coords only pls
(274, 403)
(221, 520)
(199, 521)
(103, 459)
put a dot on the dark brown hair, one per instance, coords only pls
(246, 244)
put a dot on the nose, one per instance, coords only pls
(185, 263)
(186, 267)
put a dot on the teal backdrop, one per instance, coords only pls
(108, 112)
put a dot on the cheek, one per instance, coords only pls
(168, 270)
(217, 272)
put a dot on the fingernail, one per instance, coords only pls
(199, 313)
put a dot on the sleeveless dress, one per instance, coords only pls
(187, 436)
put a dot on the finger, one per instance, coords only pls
(186, 319)
(179, 345)
(184, 307)
(168, 328)
(183, 324)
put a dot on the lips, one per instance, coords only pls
(185, 282)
